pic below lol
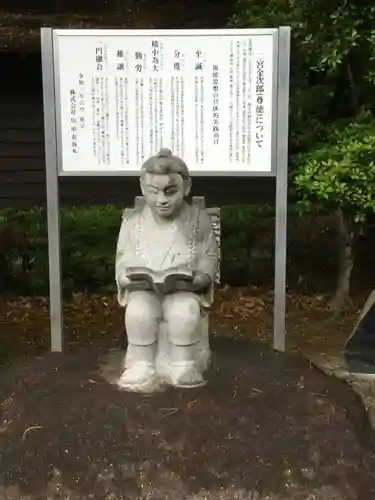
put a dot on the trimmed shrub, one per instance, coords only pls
(88, 244)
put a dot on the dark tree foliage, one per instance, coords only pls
(332, 143)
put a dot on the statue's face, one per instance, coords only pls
(164, 193)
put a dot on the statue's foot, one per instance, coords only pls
(185, 374)
(140, 377)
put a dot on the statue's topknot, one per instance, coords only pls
(165, 162)
(164, 153)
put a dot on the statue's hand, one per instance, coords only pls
(135, 285)
(123, 281)
(201, 281)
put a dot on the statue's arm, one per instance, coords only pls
(208, 256)
(125, 250)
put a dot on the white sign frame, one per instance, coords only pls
(279, 165)
(97, 36)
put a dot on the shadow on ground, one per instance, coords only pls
(267, 426)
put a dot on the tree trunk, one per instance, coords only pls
(345, 241)
(354, 95)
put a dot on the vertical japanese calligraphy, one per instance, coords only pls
(199, 97)
(161, 113)
(138, 61)
(155, 114)
(260, 102)
(100, 120)
(202, 120)
(207, 97)
(99, 58)
(81, 101)
(94, 122)
(122, 118)
(199, 119)
(139, 120)
(237, 79)
(155, 55)
(178, 114)
(240, 68)
(73, 121)
(126, 119)
(120, 64)
(152, 115)
(215, 104)
(177, 60)
(154, 94)
(231, 95)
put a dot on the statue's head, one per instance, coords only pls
(165, 182)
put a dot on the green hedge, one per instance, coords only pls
(88, 247)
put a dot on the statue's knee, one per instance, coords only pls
(183, 320)
(142, 317)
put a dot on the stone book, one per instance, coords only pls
(162, 282)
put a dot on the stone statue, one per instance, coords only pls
(167, 237)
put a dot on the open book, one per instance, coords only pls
(161, 281)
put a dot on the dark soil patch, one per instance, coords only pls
(266, 424)
(245, 314)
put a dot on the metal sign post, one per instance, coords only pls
(52, 188)
(218, 98)
(281, 188)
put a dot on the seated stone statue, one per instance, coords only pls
(167, 341)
